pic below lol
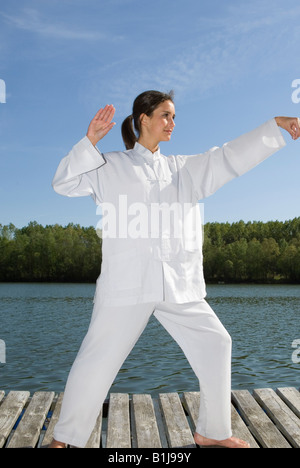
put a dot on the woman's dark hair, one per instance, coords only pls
(145, 103)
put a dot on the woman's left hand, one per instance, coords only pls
(290, 124)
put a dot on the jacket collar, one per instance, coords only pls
(145, 153)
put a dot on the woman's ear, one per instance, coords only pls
(144, 119)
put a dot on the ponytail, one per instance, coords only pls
(145, 103)
(128, 135)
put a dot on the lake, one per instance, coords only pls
(43, 325)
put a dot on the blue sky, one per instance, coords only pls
(231, 64)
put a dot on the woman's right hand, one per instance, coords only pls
(101, 124)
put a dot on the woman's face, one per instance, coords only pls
(160, 125)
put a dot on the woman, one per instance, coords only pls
(152, 263)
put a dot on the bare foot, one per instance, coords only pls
(56, 444)
(232, 442)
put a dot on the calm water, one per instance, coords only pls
(43, 326)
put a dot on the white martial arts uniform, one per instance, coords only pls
(150, 265)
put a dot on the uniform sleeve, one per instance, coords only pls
(77, 175)
(211, 170)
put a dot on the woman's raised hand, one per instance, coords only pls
(290, 124)
(101, 124)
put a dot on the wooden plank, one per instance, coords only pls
(54, 419)
(95, 437)
(2, 393)
(291, 396)
(239, 428)
(287, 422)
(146, 428)
(10, 410)
(118, 425)
(28, 431)
(177, 427)
(191, 401)
(259, 424)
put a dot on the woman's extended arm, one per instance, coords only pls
(209, 171)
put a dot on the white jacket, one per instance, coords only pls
(152, 236)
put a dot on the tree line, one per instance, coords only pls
(51, 253)
(252, 251)
(237, 252)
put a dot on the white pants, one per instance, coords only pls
(113, 333)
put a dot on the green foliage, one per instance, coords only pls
(51, 253)
(238, 252)
(252, 252)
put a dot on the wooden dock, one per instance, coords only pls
(266, 418)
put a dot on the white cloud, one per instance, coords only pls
(31, 20)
